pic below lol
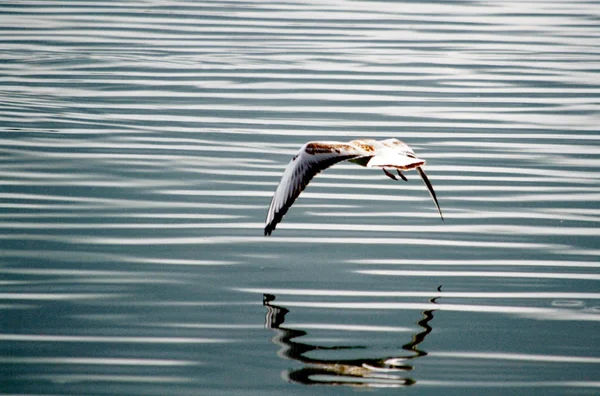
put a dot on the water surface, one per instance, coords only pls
(140, 145)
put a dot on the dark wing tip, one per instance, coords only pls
(304, 178)
(269, 229)
(430, 188)
(278, 216)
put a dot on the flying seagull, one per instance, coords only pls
(315, 157)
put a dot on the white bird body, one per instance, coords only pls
(315, 157)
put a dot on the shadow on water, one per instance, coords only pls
(388, 371)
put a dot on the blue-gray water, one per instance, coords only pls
(141, 142)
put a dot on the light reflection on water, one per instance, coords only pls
(140, 144)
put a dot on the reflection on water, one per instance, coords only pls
(385, 371)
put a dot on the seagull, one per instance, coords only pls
(315, 157)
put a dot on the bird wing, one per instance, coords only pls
(430, 188)
(312, 158)
(396, 154)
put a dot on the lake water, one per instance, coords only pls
(141, 142)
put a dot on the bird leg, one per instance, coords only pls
(401, 175)
(388, 174)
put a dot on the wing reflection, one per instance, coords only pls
(388, 371)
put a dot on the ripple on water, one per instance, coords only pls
(140, 145)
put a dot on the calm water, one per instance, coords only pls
(140, 145)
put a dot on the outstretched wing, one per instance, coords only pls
(312, 158)
(396, 154)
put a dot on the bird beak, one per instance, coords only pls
(430, 188)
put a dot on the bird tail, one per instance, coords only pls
(401, 162)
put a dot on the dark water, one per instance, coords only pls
(140, 145)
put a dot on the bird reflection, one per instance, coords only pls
(388, 371)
